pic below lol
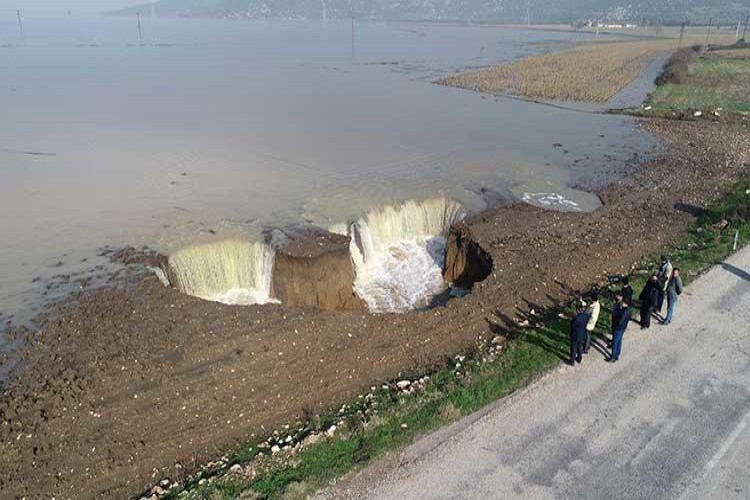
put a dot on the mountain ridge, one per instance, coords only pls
(641, 12)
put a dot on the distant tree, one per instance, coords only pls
(658, 27)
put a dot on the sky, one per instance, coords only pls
(63, 5)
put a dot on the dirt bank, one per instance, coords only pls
(466, 262)
(131, 384)
(314, 269)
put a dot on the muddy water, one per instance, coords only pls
(215, 129)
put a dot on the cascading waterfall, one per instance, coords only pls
(231, 271)
(398, 253)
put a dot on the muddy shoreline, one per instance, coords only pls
(131, 384)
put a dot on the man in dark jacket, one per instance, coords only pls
(578, 335)
(623, 320)
(616, 313)
(649, 300)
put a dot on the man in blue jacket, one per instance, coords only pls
(578, 334)
(619, 327)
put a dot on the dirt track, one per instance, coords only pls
(131, 384)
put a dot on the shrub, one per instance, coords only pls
(677, 68)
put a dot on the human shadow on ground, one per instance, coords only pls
(736, 271)
(534, 329)
(658, 316)
(552, 341)
(693, 210)
(599, 342)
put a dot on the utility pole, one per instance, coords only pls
(20, 25)
(528, 12)
(708, 35)
(140, 32)
(682, 34)
(744, 31)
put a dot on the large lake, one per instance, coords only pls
(220, 128)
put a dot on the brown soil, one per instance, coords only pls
(314, 269)
(125, 386)
(466, 262)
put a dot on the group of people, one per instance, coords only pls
(665, 283)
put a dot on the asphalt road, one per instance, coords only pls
(670, 420)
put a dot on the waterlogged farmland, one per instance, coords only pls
(215, 130)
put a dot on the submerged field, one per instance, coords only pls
(715, 80)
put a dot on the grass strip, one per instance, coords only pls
(714, 80)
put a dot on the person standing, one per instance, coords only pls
(593, 312)
(623, 320)
(663, 275)
(578, 335)
(649, 299)
(616, 312)
(674, 290)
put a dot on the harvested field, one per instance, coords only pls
(593, 73)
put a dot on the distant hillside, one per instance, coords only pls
(507, 11)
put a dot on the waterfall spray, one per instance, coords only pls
(398, 253)
(230, 271)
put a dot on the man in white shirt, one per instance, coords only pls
(593, 312)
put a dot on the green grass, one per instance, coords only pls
(718, 80)
(454, 391)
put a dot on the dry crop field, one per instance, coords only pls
(592, 73)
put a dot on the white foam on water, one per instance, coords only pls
(403, 277)
(341, 228)
(398, 253)
(242, 296)
(551, 200)
(230, 271)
